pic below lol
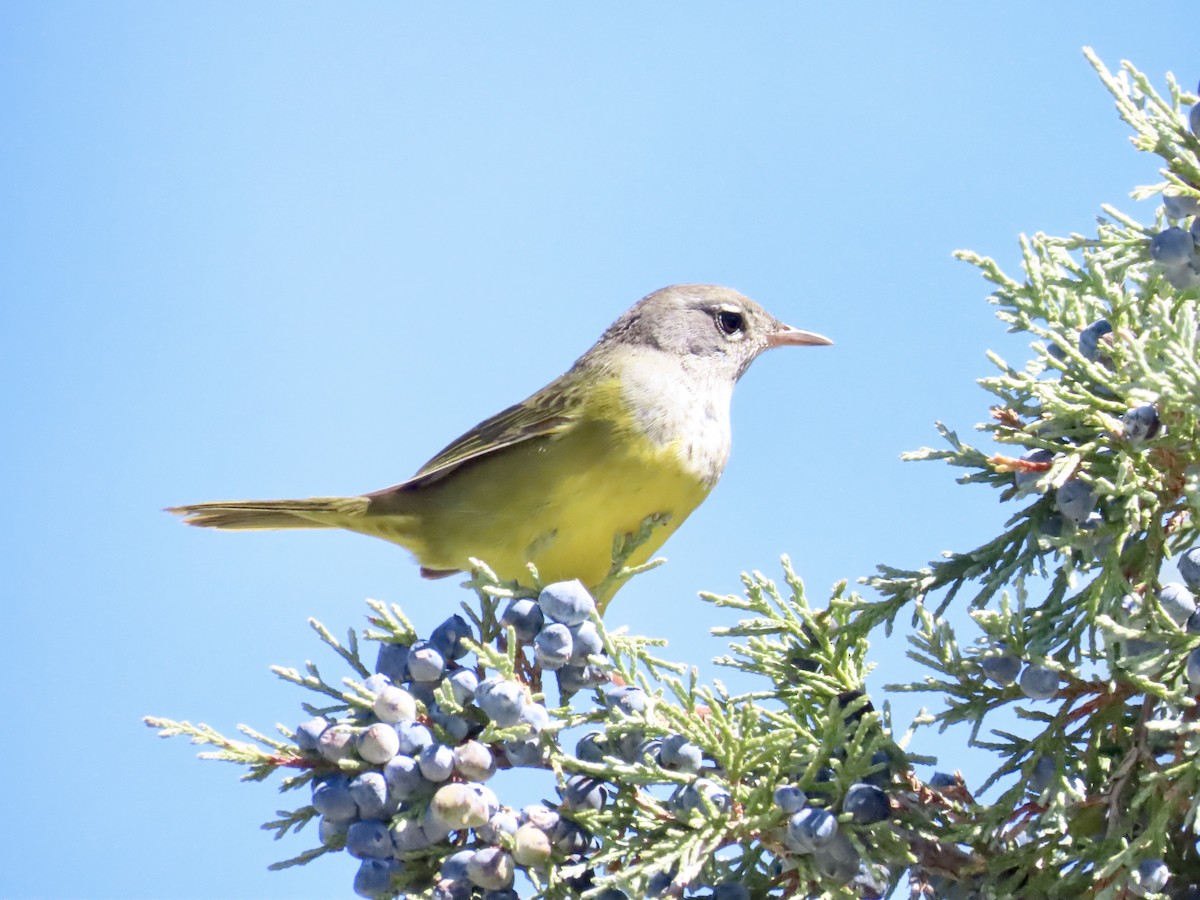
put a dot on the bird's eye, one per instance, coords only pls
(730, 322)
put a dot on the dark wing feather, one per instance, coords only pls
(551, 410)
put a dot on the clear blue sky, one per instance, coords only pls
(285, 248)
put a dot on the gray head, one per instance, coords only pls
(703, 322)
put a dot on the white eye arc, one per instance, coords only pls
(730, 322)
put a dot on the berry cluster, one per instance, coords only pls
(401, 781)
(1077, 520)
(408, 775)
(560, 628)
(1037, 682)
(813, 828)
(1174, 248)
(1081, 515)
(1072, 516)
(404, 781)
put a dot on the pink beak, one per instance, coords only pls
(787, 336)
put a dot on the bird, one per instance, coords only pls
(634, 435)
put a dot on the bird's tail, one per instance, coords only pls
(238, 515)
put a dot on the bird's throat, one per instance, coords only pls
(679, 408)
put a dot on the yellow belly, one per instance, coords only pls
(557, 502)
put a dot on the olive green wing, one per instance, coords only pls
(552, 410)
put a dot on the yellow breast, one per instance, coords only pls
(558, 501)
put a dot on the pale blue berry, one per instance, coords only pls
(1193, 669)
(463, 683)
(553, 646)
(567, 602)
(635, 747)
(490, 801)
(404, 778)
(332, 798)
(536, 716)
(1172, 248)
(309, 733)
(336, 743)
(455, 806)
(447, 638)
(1180, 206)
(501, 701)
(502, 822)
(454, 866)
(370, 792)
(526, 618)
(592, 747)
(572, 679)
(585, 642)
(408, 835)
(527, 752)
(394, 704)
(436, 762)
(491, 868)
(866, 804)
(378, 743)
(414, 737)
(376, 683)
(474, 761)
(540, 816)
(1039, 682)
(1184, 278)
(438, 829)
(374, 877)
(1044, 770)
(809, 829)
(333, 832)
(1193, 623)
(453, 890)
(425, 663)
(583, 792)
(392, 661)
(789, 798)
(837, 860)
(694, 796)
(1177, 602)
(1089, 338)
(1075, 499)
(485, 687)
(570, 837)
(531, 845)
(628, 699)
(1003, 670)
(1151, 877)
(1027, 478)
(678, 754)
(424, 691)
(1141, 423)
(1189, 567)
(455, 726)
(369, 838)
(1142, 647)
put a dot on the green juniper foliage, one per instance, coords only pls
(797, 787)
